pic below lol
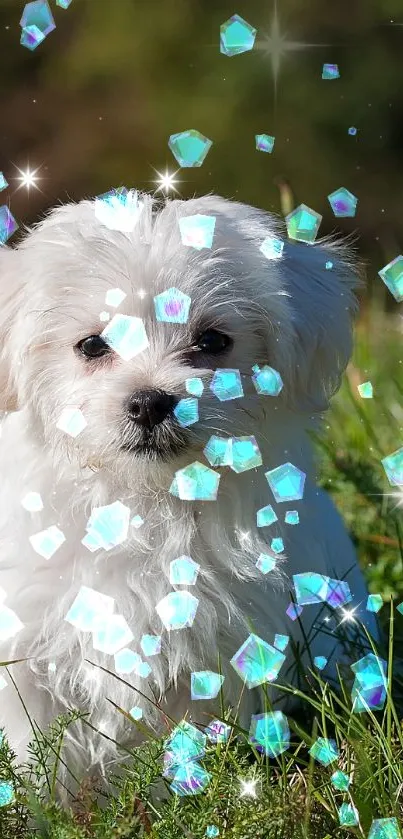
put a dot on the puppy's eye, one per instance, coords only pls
(93, 347)
(214, 342)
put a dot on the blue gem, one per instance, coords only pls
(189, 148)
(330, 71)
(172, 306)
(286, 482)
(392, 276)
(6, 793)
(194, 386)
(264, 142)
(187, 412)
(37, 22)
(218, 451)
(205, 684)
(303, 224)
(195, 482)
(385, 829)
(266, 563)
(374, 603)
(257, 662)
(183, 571)
(265, 516)
(267, 381)
(340, 780)
(245, 454)
(352, 131)
(281, 642)
(226, 384)
(197, 231)
(190, 779)
(218, 732)
(325, 751)
(291, 517)
(236, 36)
(369, 689)
(272, 248)
(8, 224)
(293, 611)
(393, 466)
(270, 733)
(177, 610)
(348, 815)
(277, 545)
(343, 203)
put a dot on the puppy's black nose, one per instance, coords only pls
(150, 407)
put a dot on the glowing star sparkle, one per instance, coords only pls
(248, 788)
(166, 182)
(27, 178)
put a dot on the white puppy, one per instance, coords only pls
(292, 313)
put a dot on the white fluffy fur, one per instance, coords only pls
(291, 313)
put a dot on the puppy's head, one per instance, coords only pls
(292, 313)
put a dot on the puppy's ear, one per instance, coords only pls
(320, 281)
(10, 302)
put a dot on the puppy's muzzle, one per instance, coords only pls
(148, 408)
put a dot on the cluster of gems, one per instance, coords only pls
(256, 662)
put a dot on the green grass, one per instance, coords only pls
(294, 798)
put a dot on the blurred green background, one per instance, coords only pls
(94, 105)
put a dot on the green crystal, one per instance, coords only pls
(303, 224)
(392, 276)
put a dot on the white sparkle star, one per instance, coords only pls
(277, 46)
(27, 178)
(166, 183)
(248, 788)
(348, 615)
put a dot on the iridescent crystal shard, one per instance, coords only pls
(236, 36)
(112, 633)
(6, 793)
(343, 203)
(8, 224)
(392, 276)
(36, 22)
(197, 231)
(48, 541)
(324, 751)
(348, 815)
(177, 610)
(185, 745)
(277, 545)
(126, 335)
(311, 587)
(265, 516)
(393, 466)
(187, 412)
(257, 662)
(218, 731)
(195, 482)
(218, 451)
(267, 381)
(71, 421)
(136, 712)
(286, 482)
(340, 780)
(265, 563)
(293, 611)
(272, 248)
(64, 4)
(212, 831)
(303, 224)
(114, 297)
(89, 609)
(352, 131)
(264, 142)
(194, 386)
(330, 71)
(190, 779)
(189, 148)
(374, 602)
(366, 390)
(3, 182)
(226, 384)
(270, 733)
(172, 306)
(370, 685)
(320, 662)
(291, 517)
(281, 642)
(150, 644)
(245, 454)
(127, 661)
(183, 571)
(385, 829)
(119, 209)
(205, 684)
(109, 526)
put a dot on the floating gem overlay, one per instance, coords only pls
(236, 36)
(205, 684)
(303, 224)
(64, 4)
(136, 712)
(293, 611)
(136, 522)
(185, 745)
(265, 563)
(126, 335)
(281, 642)
(3, 182)
(183, 571)
(348, 815)
(366, 390)
(352, 131)
(36, 22)
(286, 482)
(245, 454)
(272, 248)
(172, 306)
(340, 780)
(324, 751)
(71, 421)
(320, 662)
(330, 71)
(48, 541)
(195, 482)
(343, 203)
(127, 661)
(212, 831)
(177, 610)
(226, 384)
(392, 276)
(218, 731)
(187, 412)
(385, 829)
(89, 608)
(6, 793)
(267, 380)
(374, 603)
(197, 231)
(264, 142)
(393, 466)
(8, 224)
(270, 733)
(265, 516)
(114, 297)
(218, 451)
(291, 517)
(119, 209)
(190, 779)
(370, 685)
(189, 148)
(194, 386)
(277, 545)
(257, 662)
(32, 502)
(111, 634)
(151, 644)
(318, 588)
(108, 526)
